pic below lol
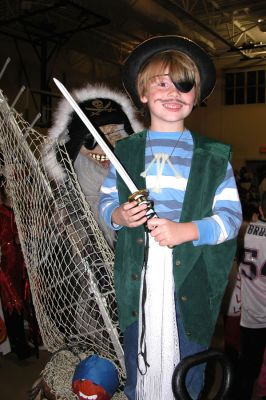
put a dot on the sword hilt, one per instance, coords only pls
(141, 197)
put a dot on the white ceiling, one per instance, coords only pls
(81, 40)
(109, 29)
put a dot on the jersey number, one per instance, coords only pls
(254, 270)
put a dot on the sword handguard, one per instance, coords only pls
(141, 197)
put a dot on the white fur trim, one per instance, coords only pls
(63, 114)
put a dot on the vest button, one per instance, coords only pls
(139, 241)
(184, 298)
(188, 333)
(134, 277)
(178, 263)
(134, 313)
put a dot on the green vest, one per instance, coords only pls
(200, 272)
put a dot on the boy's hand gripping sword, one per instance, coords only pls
(139, 195)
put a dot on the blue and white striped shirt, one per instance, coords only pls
(227, 215)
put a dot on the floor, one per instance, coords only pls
(17, 377)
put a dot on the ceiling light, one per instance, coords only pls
(262, 24)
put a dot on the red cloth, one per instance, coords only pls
(12, 267)
(86, 388)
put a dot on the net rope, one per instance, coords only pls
(69, 262)
(60, 378)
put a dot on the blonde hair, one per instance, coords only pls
(181, 68)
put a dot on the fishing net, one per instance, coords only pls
(61, 378)
(69, 263)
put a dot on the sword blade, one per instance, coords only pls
(114, 160)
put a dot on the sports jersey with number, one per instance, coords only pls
(253, 277)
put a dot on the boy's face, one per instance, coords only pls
(168, 106)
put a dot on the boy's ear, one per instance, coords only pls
(143, 99)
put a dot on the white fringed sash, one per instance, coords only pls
(161, 335)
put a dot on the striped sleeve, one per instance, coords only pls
(226, 220)
(109, 198)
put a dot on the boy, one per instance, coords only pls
(169, 310)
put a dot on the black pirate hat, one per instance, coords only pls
(157, 44)
(103, 106)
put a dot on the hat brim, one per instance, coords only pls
(157, 44)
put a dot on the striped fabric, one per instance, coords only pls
(227, 214)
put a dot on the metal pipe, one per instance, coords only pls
(4, 67)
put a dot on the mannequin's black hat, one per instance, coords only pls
(100, 111)
(103, 106)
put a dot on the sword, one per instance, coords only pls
(139, 195)
(116, 163)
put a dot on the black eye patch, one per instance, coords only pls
(90, 143)
(184, 86)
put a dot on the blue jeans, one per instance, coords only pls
(195, 376)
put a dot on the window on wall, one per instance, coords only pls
(246, 87)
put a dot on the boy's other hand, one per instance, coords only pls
(169, 233)
(130, 214)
